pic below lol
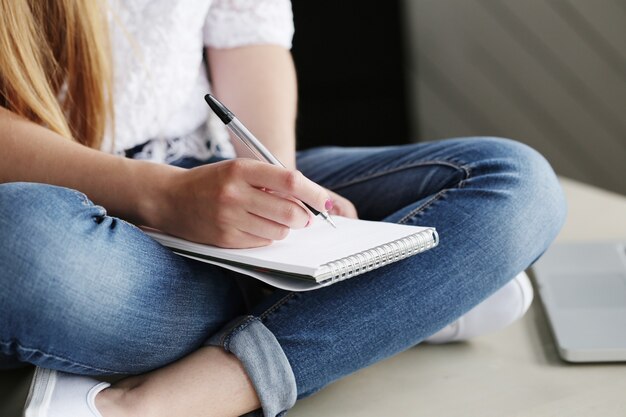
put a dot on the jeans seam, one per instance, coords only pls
(237, 327)
(423, 207)
(45, 355)
(277, 305)
(369, 176)
(86, 202)
(82, 197)
(466, 169)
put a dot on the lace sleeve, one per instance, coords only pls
(232, 23)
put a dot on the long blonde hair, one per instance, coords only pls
(55, 66)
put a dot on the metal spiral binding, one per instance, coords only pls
(382, 255)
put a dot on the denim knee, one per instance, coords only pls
(36, 260)
(30, 218)
(539, 187)
(531, 189)
(88, 293)
(34, 219)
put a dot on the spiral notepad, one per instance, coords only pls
(318, 255)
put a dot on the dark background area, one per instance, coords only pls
(350, 64)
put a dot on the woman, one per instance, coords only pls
(84, 292)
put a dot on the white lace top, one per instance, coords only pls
(160, 78)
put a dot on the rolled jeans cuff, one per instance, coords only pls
(263, 359)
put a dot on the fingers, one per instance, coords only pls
(278, 209)
(242, 240)
(224, 204)
(342, 206)
(288, 182)
(240, 229)
(253, 231)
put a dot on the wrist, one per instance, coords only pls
(154, 193)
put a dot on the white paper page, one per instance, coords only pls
(305, 250)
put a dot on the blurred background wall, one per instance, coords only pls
(550, 73)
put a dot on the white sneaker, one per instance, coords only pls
(57, 394)
(502, 308)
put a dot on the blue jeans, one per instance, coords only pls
(87, 293)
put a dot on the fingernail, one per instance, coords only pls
(308, 223)
(329, 204)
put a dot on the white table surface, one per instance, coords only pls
(515, 372)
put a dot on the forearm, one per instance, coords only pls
(258, 83)
(31, 153)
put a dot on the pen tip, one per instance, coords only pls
(329, 219)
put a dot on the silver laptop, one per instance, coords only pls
(583, 289)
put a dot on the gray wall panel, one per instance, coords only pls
(550, 73)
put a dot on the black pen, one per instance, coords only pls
(255, 146)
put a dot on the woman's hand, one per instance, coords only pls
(342, 206)
(227, 203)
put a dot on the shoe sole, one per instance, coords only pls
(526, 288)
(40, 393)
